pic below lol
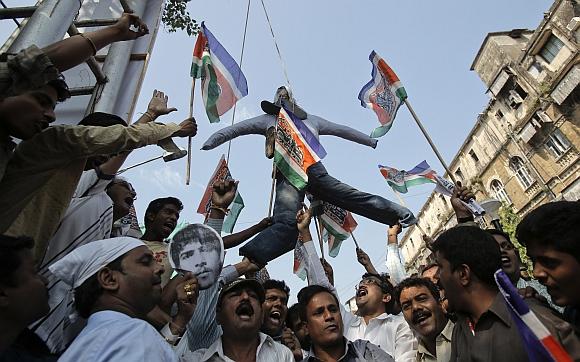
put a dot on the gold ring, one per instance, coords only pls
(188, 288)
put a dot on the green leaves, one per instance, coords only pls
(176, 17)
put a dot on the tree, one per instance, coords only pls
(509, 221)
(176, 17)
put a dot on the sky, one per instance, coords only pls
(325, 47)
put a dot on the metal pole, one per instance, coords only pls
(416, 118)
(354, 239)
(188, 167)
(319, 233)
(138, 164)
(115, 67)
(47, 25)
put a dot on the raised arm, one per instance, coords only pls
(394, 262)
(236, 239)
(257, 125)
(72, 51)
(334, 129)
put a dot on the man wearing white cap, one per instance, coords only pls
(116, 283)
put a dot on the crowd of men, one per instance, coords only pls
(74, 286)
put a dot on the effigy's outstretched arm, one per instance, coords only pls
(334, 129)
(256, 125)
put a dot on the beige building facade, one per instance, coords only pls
(523, 148)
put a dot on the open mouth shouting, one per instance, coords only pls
(275, 318)
(421, 318)
(362, 292)
(245, 311)
(505, 261)
(169, 226)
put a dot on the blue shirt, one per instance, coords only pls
(114, 336)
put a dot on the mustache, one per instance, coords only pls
(420, 314)
(245, 307)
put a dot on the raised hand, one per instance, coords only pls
(158, 105)
(362, 257)
(123, 27)
(265, 223)
(188, 128)
(224, 193)
(303, 218)
(461, 193)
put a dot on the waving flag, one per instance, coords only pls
(296, 148)
(337, 223)
(235, 211)
(538, 342)
(384, 94)
(222, 80)
(402, 180)
(221, 173)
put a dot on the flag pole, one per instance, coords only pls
(273, 169)
(416, 118)
(354, 239)
(319, 233)
(404, 204)
(188, 168)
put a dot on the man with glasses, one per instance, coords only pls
(374, 299)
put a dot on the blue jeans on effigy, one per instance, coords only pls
(281, 237)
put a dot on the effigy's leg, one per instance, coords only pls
(327, 188)
(281, 237)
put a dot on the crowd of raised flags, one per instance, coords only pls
(296, 149)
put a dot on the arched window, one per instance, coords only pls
(498, 191)
(518, 167)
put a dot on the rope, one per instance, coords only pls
(277, 48)
(241, 61)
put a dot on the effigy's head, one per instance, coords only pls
(284, 93)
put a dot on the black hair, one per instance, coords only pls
(156, 205)
(555, 224)
(307, 293)
(277, 284)
(473, 247)
(10, 247)
(87, 294)
(292, 314)
(417, 282)
(189, 235)
(101, 119)
(386, 287)
(499, 233)
(62, 91)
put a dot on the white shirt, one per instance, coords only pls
(89, 217)
(268, 351)
(389, 332)
(114, 336)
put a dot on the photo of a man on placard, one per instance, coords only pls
(198, 249)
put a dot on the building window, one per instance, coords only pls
(499, 192)
(459, 174)
(522, 174)
(551, 48)
(516, 97)
(535, 69)
(557, 143)
(499, 114)
(473, 156)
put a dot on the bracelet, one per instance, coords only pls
(90, 42)
(222, 209)
(149, 116)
